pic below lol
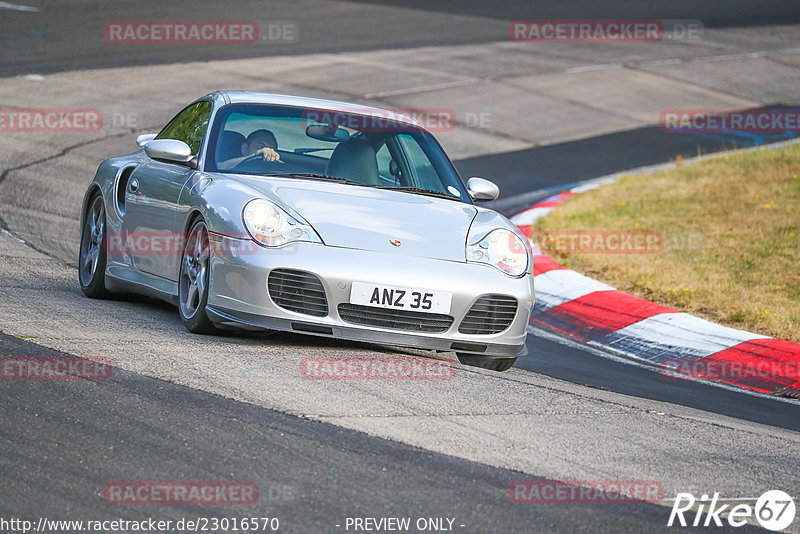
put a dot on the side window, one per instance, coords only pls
(425, 175)
(384, 159)
(189, 125)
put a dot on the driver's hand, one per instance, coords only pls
(269, 154)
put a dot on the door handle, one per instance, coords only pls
(134, 185)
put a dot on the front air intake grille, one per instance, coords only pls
(297, 291)
(489, 315)
(395, 319)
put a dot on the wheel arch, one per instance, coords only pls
(93, 189)
(191, 217)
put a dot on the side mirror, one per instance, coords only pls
(145, 138)
(169, 149)
(481, 189)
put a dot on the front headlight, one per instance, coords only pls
(503, 249)
(271, 226)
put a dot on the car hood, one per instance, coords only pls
(372, 219)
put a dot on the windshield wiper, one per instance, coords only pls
(309, 150)
(420, 191)
(317, 176)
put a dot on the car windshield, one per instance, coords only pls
(352, 148)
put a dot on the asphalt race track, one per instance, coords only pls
(66, 37)
(318, 473)
(235, 408)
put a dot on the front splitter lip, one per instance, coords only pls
(228, 317)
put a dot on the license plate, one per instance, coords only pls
(400, 298)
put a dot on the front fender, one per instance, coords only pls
(218, 201)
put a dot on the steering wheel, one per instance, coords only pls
(254, 158)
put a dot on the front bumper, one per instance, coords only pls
(238, 293)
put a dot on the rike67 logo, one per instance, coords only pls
(774, 510)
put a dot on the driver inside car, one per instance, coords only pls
(261, 142)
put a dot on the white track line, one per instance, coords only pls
(17, 7)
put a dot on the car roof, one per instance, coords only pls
(253, 97)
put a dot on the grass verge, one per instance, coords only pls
(729, 231)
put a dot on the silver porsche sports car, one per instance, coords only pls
(278, 212)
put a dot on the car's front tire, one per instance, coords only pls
(92, 255)
(493, 364)
(193, 280)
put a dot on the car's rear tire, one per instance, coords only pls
(92, 255)
(493, 364)
(193, 280)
